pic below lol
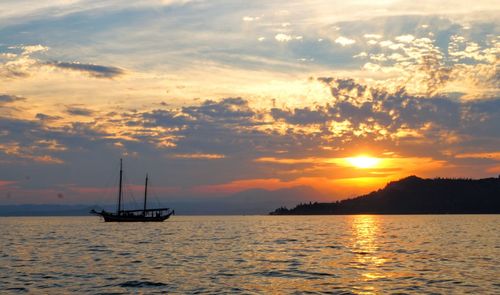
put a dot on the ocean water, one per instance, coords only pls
(357, 254)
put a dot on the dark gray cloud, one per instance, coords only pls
(360, 104)
(301, 116)
(222, 127)
(45, 117)
(79, 111)
(6, 98)
(228, 110)
(166, 118)
(96, 71)
(41, 153)
(438, 74)
(482, 118)
(225, 126)
(18, 128)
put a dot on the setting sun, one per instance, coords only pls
(363, 162)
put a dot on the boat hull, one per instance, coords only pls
(111, 217)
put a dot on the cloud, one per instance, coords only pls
(167, 118)
(437, 74)
(37, 151)
(344, 41)
(26, 64)
(30, 49)
(359, 111)
(212, 127)
(282, 37)
(8, 55)
(250, 18)
(437, 59)
(6, 98)
(422, 67)
(96, 71)
(405, 38)
(79, 111)
(228, 110)
(300, 115)
(21, 63)
(372, 36)
(232, 126)
(45, 117)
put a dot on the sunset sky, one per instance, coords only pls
(216, 97)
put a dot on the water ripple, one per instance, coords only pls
(141, 284)
(252, 255)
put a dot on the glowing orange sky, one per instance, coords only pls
(213, 98)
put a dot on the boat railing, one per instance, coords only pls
(147, 212)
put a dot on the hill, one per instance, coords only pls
(414, 195)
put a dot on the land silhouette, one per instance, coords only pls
(414, 195)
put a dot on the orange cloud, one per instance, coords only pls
(29, 152)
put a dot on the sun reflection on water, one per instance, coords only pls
(366, 230)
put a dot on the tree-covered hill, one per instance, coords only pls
(414, 195)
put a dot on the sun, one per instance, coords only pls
(363, 162)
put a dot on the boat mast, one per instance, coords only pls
(120, 190)
(145, 194)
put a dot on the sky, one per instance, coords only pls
(212, 98)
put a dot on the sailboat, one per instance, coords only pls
(140, 215)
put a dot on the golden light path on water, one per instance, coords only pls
(365, 233)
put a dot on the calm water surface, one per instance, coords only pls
(358, 254)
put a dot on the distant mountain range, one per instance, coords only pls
(44, 210)
(414, 195)
(253, 201)
(411, 195)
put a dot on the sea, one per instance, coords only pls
(350, 254)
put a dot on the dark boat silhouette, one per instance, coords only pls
(144, 215)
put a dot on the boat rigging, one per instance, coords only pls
(140, 215)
